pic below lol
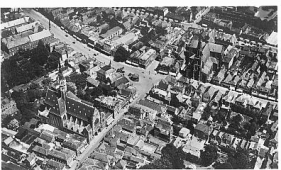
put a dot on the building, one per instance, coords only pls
(163, 130)
(202, 131)
(71, 114)
(14, 23)
(105, 72)
(146, 58)
(32, 26)
(213, 50)
(45, 36)
(125, 40)
(110, 104)
(110, 34)
(8, 107)
(14, 44)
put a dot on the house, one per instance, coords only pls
(40, 151)
(8, 106)
(165, 65)
(213, 50)
(209, 94)
(266, 112)
(146, 58)
(127, 125)
(128, 93)
(60, 157)
(110, 34)
(52, 164)
(105, 72)
(31, 159)
(184, 132)
(122, 81)
(194, 147)
(163, 130)
(202, 131)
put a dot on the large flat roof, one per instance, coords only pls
(14, 23)
(110, 32)
(146, 55)
(27, 27)
(40, 35)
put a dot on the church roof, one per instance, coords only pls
(72, 106)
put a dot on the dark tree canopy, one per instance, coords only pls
(209, 155)
(121, 54)
(172, 158)
(224, 166)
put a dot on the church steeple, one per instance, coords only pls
(63, 86)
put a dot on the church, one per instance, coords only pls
(67, 112)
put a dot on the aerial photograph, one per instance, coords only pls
(145, 87)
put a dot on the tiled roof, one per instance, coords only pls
(40, 35)
(163, 85)
(151, 105)
(55, 164)
(120, 81)
(58, 154)
(41, 150)
(203, 128)
(79, 109)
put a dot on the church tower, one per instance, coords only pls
(63, 86)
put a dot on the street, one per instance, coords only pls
(148, 76)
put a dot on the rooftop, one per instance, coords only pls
(12, 42)
(27, 27)
(111, 31)
(14, 23)
(40, 35)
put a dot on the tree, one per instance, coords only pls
(80, 80)
(46, 82)
(40, 54)
(96, 92)
(237, 119)
(172, 158)
(121, 54)
(33, 94)
(53, 61)
(209, 155)
(71, 87)
(224, 166)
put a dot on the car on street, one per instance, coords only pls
(73, 42)
(66, 35)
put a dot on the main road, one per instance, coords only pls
(148, 77)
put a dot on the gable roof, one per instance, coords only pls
(203, 128)
(120, 81)
(216, 48)
(151, 105)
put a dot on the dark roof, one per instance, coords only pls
(58, 154)
(72, 145)
(127, 92)
(203, 128)
(163, 85)
(79, 109)
(122, 80)
(151, 105)
(41, 150)
(46, 136)
(52, 100)
(54, 164)
(127, 124)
